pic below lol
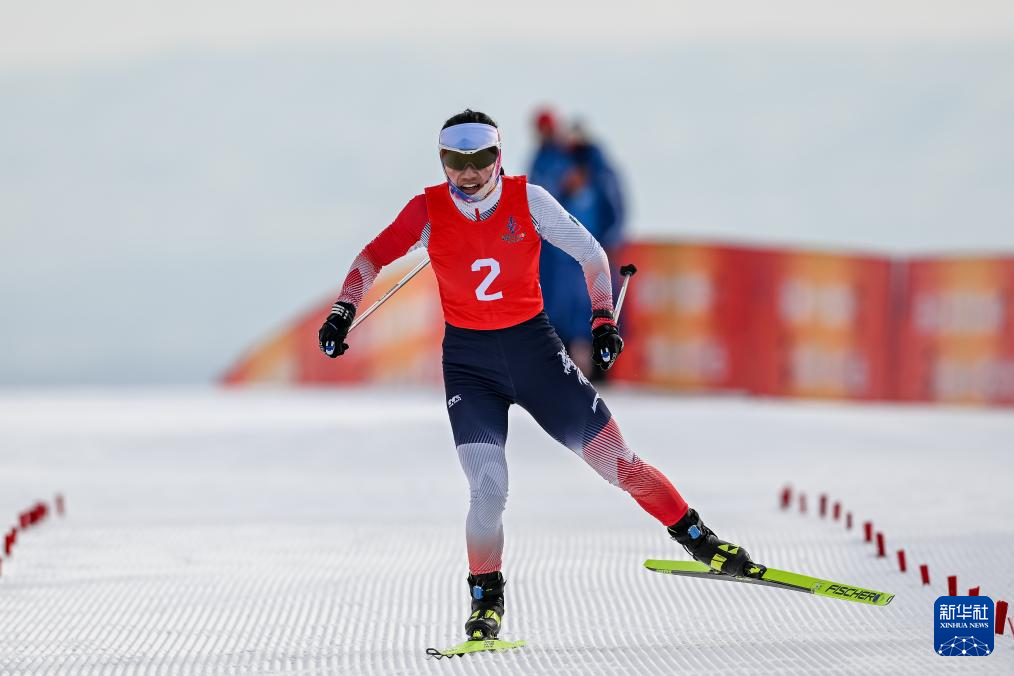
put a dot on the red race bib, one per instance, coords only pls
(487, 271)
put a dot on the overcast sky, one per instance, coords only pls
(61, 32)
(178, 180)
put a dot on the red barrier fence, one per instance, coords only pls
(713, 317)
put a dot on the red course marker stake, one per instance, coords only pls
(836, 511)
(901, 561)
(880, 545)
(848, 521)
(802, 503)
(786, 497)
(1001, 616)
(59, 503)
(952, 585)
(823, 505)
(868, 531)
(924, 571)
(974, 591)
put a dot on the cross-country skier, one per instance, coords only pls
(483, 232)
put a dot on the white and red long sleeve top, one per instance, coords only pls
(410, 230)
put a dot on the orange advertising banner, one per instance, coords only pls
(685, 319)
(775, 323)
(820, 325)
(956, 331)
(714, 317)
(399, 343)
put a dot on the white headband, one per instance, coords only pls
(469, 137)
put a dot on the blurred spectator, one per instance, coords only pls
(552, 158)
(575, 171)
(606, 225)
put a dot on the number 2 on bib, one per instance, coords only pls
(494, 270)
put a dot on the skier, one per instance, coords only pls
(483, 231)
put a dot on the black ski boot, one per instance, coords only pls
(702, 544)
(487, 605)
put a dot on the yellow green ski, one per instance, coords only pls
(475, 646)
(772, 577)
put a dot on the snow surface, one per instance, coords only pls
(321, 532)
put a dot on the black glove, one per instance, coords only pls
(332, 333)
(606, 342)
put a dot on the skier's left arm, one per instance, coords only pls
(562, 230)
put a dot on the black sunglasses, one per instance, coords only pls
(480, 159)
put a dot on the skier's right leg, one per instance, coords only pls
(479, 420)
(486, 469)
(478, 396)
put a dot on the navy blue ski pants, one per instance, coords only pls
(526, 364)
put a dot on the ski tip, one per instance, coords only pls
(668, 566)
(656, 564)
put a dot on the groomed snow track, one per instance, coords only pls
(321, 532)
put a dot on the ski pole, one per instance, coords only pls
(380, 301)
(626, 271)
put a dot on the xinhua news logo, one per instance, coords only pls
(964, 626)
